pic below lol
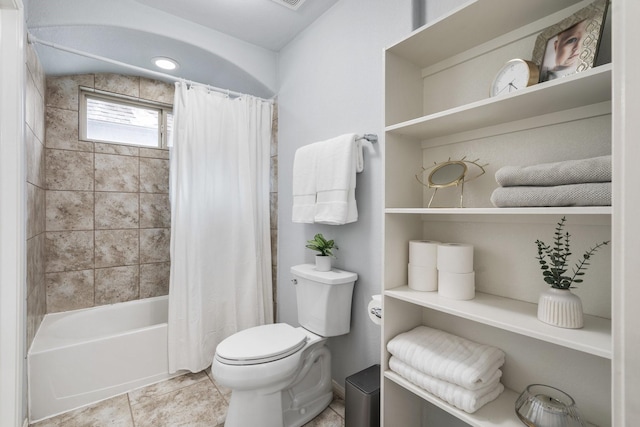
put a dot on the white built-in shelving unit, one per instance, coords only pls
(437, 106)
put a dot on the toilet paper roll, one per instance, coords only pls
(423, 253)
(423, 278)
(375, 306)
(459, 286)
(455, 257)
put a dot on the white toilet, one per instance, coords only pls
(280, 376)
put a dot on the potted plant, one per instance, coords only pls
(325, 247)
(557, 305)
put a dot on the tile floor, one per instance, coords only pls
(191, 400)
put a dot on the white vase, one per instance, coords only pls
(323, 263)
(560, 307)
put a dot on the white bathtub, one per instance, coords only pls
(83, 356)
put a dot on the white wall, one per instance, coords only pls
(330, 83)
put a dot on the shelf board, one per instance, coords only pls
(500, 412)
(589, 87)
(572, 210)
(483, 21)
(516, 316)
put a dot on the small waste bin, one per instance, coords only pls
(362, 398)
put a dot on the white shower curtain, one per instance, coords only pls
(220, 229)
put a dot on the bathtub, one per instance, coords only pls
(83, 356)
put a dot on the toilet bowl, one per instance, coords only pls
(280, 375)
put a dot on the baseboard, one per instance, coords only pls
(338, 390)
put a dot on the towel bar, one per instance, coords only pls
(371, 137)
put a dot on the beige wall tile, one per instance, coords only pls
(154, 153)
(35, 210)
(62, 130)
(35, 263)
(155, 210)
(117, 83)
(36, 309)
(154, 279)
(157, 91)
(68, 251)
(69, 210)
(117, 284)
(117, 210)
(116, 247)
(69, 170)
(154, 245)
(122, 150)
(31, 99)
(62, 92)
(70, 290)
(117, 173)
(35, 159)
(154, 175)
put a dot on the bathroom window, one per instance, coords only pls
(122, 120)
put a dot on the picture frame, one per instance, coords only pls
(571, 45)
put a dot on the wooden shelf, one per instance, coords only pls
(500, 412)
(586, 210)
(483, 21)
(589, 87)
(515, 316)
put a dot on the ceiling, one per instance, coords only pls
(231, 44)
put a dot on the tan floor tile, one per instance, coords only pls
(338, 406)
(142, 395)
(113, 412)
(198, 405)
(327, 418)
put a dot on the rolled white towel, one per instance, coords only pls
(448, 357)
(595, 169)
(467, 400)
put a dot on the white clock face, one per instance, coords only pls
(513, 76)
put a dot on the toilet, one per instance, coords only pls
(280, 375)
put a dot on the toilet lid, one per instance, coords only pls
(261, 344)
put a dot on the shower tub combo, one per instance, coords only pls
(83, 356)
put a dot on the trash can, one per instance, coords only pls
(362, 398)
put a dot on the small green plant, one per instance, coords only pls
(553, 259)
(322, 245)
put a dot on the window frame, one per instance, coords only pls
(163, 111)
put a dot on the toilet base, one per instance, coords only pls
(302, 400)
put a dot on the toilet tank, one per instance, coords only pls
(324, 299)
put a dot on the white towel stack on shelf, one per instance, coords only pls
(461, 372)
(585, 182)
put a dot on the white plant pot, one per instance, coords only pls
(560, 307)
(323, 263)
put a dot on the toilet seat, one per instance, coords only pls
(261, 344)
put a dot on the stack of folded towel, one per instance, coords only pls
(461, 372)
(324, 181)
(585, 182)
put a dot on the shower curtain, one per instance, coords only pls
(220, 231)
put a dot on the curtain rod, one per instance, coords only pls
(33, 39)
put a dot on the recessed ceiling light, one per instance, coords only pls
(165, 63)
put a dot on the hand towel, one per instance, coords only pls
(338, 160)
(304, 184)
(589, 194)
(595, 169)
(467, 400)
(448, 357)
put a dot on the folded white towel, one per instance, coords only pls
(338, 160)
(595, 169)
(448, 357)
(304, 184)
(467, 400)
(589, 194)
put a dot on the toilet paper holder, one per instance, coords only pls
(377, 311)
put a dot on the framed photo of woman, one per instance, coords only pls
(571, 45)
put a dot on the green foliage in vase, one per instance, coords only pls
(322, 245)
(554, 259)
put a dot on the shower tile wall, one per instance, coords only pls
(274, 207)
(107, 206)
(35, 186)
